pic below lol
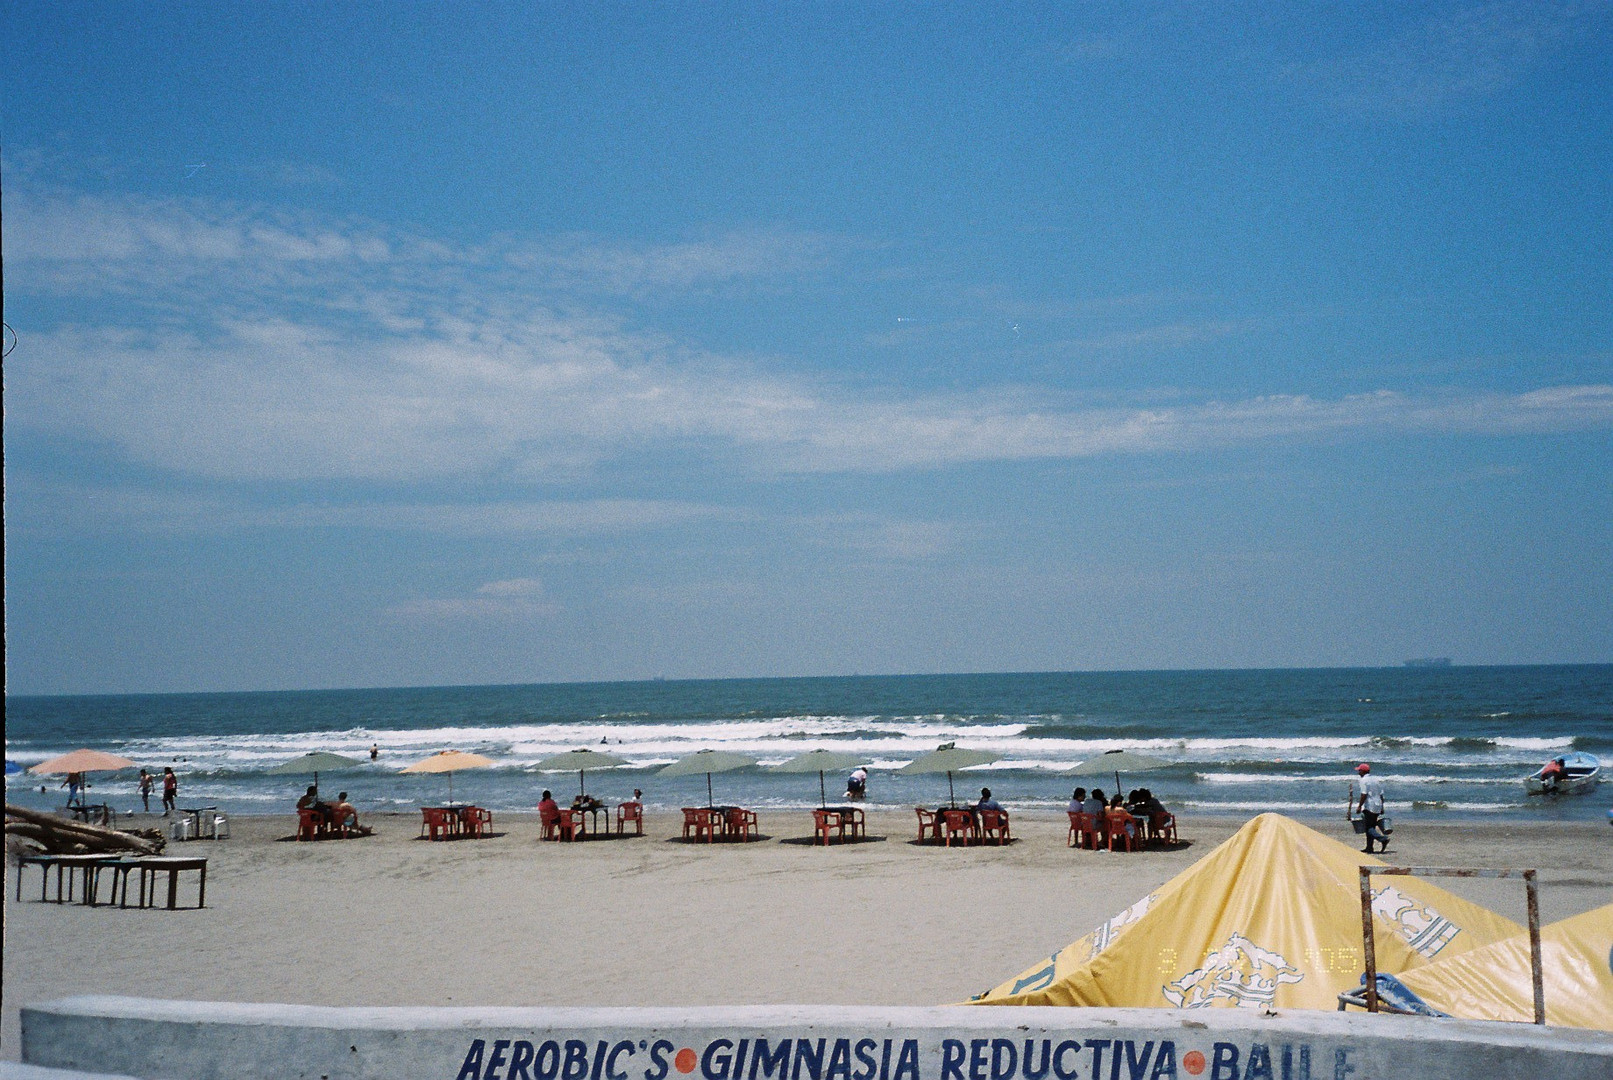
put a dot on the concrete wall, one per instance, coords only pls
(177, 1040)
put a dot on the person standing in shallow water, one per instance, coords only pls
(170, 790)
(146, 784)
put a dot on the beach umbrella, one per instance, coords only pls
(708, 762)
(582, 761)
(1116, 761)
(83, 761)
(949, 759)
(313, 764)
(820, 761)
(450, 762)
(12, 767)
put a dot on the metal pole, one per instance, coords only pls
(1369, 947)
(1534, 946)
(823, 792)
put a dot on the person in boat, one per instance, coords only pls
(1370, 807)
(1552, 775)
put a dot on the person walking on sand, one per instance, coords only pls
(75, 788)
(1370, 805)
(146, 784)
(170, 790)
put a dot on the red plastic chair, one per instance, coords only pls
(826, 821)
(475, 821)
(1117, 820)
(1163, 826)
(700, 822)
(630, 812)
(853, 822)
(994, 825)
(957, 823)
(311, 824)
(434, 822)
(929, 824)
(740, 824)
(550, 820)
(1083, 830)
(573, 825)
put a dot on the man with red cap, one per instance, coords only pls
(1371, 807)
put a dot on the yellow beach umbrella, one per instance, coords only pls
(83, 761)
(450, 762)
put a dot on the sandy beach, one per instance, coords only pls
(392, 920)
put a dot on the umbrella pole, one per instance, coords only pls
(823, 793)
(710, 804)
(1117, 781)
(952, 798)
(581, 784)
(450, 787)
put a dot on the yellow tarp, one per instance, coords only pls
(1495, 983)
(1271, 918)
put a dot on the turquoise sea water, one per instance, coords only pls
(1448, 741)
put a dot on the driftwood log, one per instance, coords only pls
(58, 836)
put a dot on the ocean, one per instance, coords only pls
(1450, 742)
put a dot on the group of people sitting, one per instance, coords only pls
(1140, 804)
(339, 816)
(549, 810)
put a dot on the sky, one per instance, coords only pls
(419, 344)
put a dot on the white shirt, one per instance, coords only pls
(1372, 792)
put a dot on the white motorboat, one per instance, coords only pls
(1581, 773)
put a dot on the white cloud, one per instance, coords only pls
(318, 351)
(1469, 53)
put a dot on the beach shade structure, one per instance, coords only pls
(1269, 919)
(450, 762)
(708, 762)
(949, 759)
(1117, 762)
(313, 764)
(820, 762)
(83, 761)
(581, 761)
(1495, 982)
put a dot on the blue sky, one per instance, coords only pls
(413, 344)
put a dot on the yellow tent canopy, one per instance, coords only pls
(1271, 918)
(1495, 983)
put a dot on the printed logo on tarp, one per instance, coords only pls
(1239, 971)
(1105, 935)
(1423, 928)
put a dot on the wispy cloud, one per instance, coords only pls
(81, 507)
(393, 363)
(514, 599)
(1442, 59)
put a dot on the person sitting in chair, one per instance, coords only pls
(548, 814)
(311, 801)
(988, 803)
(345, 818)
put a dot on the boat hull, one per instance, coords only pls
(1584, 772)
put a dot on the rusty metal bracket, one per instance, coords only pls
(1369, 946)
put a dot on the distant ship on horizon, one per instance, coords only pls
(1428, 661)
